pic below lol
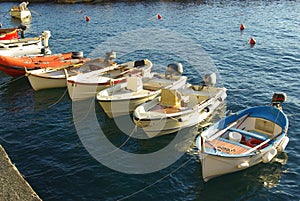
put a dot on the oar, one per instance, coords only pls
(221, 132)
(35, 12)
(68, 66)
(261, 144)
(6, 13)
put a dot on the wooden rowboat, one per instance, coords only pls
(243, 139)
(21, 14)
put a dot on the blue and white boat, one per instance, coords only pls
(243, 139)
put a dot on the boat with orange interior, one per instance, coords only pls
(9, 33)
(15, 66)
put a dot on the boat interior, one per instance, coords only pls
(250, 132)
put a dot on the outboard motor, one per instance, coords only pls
(77, 55)
(109, 56)
(278, 98)
(210, 79)
(45, 37)
(22, 28)
(173, 70)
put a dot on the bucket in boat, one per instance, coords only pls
(235, 136)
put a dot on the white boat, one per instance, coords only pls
(47, 78)
(178, 109)
(243, 139)
(87, 85)
(26, 46)
(21, 14)
(123, 98)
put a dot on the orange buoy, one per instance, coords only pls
(242, 27)
(87, 18)
(159, 16)
(252, 41)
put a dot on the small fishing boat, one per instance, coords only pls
(46, 78)
(15, 66)
(243, 139)
(123, 98)
(181, 108)
(20, 13)
(9, 33)
(87, 85)
(26, 46)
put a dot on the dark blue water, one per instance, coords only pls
(38, 131)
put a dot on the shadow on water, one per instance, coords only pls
(48, 98)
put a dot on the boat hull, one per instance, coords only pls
(21, 48)
(158, 127)
(21, 15)
(87, 85)
(222, 153)
(39, 83)
(170, 120)
(216, 165)
(124, 107)
(80, 91)
(119, 100)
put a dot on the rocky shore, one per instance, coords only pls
(13, 185)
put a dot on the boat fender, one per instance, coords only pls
(267, 157)
(243, 165)
(223, 97)
(209, 108)
(253, 142)
(282, 145)
(173, 69)
(182, 119)
(210, 79)
(77, 55)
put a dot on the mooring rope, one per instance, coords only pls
(157, 181)
(12, 81)
(58, 99)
